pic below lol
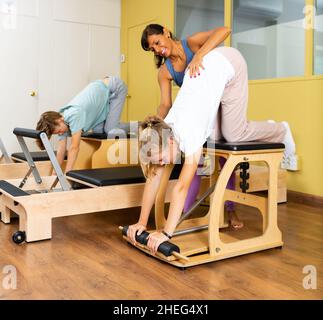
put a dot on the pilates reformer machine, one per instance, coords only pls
(16, 166)
(203, 239)
(198, 240)
(38, 199)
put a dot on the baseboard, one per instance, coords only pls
(304, 198)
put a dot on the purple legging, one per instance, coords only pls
(195, 187)
(231, 184)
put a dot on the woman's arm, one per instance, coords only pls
(164, 81)
(203, 42)
(178, 197)
(149, 195)
(73, 150)
(148, 200)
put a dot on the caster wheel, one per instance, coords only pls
(19, 237)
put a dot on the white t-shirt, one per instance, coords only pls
(193, 114)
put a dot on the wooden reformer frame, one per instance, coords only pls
(92, 154)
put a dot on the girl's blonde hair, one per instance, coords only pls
(153, 132)
(47, 124)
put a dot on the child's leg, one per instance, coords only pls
(118, 93)
(99, 128)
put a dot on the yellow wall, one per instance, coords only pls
(300, 102)
(135, 13)
(296, 100)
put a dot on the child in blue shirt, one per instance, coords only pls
(97, 107)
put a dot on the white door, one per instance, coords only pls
(55, 48)
(19, 34)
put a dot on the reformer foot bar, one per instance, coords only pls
(37, 201)
(166, 248)
(4, 158)
(16, 166)
(203, 240)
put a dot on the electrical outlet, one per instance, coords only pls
(292, 163)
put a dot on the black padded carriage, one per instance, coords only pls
(115, 176)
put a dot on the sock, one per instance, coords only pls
(288, 141)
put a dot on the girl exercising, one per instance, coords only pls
(97, 107)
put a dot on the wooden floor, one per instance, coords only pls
(87, 259)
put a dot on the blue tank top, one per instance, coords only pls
(179, 76)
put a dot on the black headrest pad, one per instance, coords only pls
(243, 146)
(11, 189)
(28, 133)
(36, 156)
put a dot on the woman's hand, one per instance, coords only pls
(154, 240)
(195, 65)
(134, 229)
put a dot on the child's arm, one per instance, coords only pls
(73, 150)
(178, 197)
(148, 200)
(61, 150)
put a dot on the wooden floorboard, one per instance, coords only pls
(88, 259)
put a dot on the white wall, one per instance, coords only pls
(195, 16)
(84, 46)
(275, 51)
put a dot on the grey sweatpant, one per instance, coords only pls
(118, 93)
